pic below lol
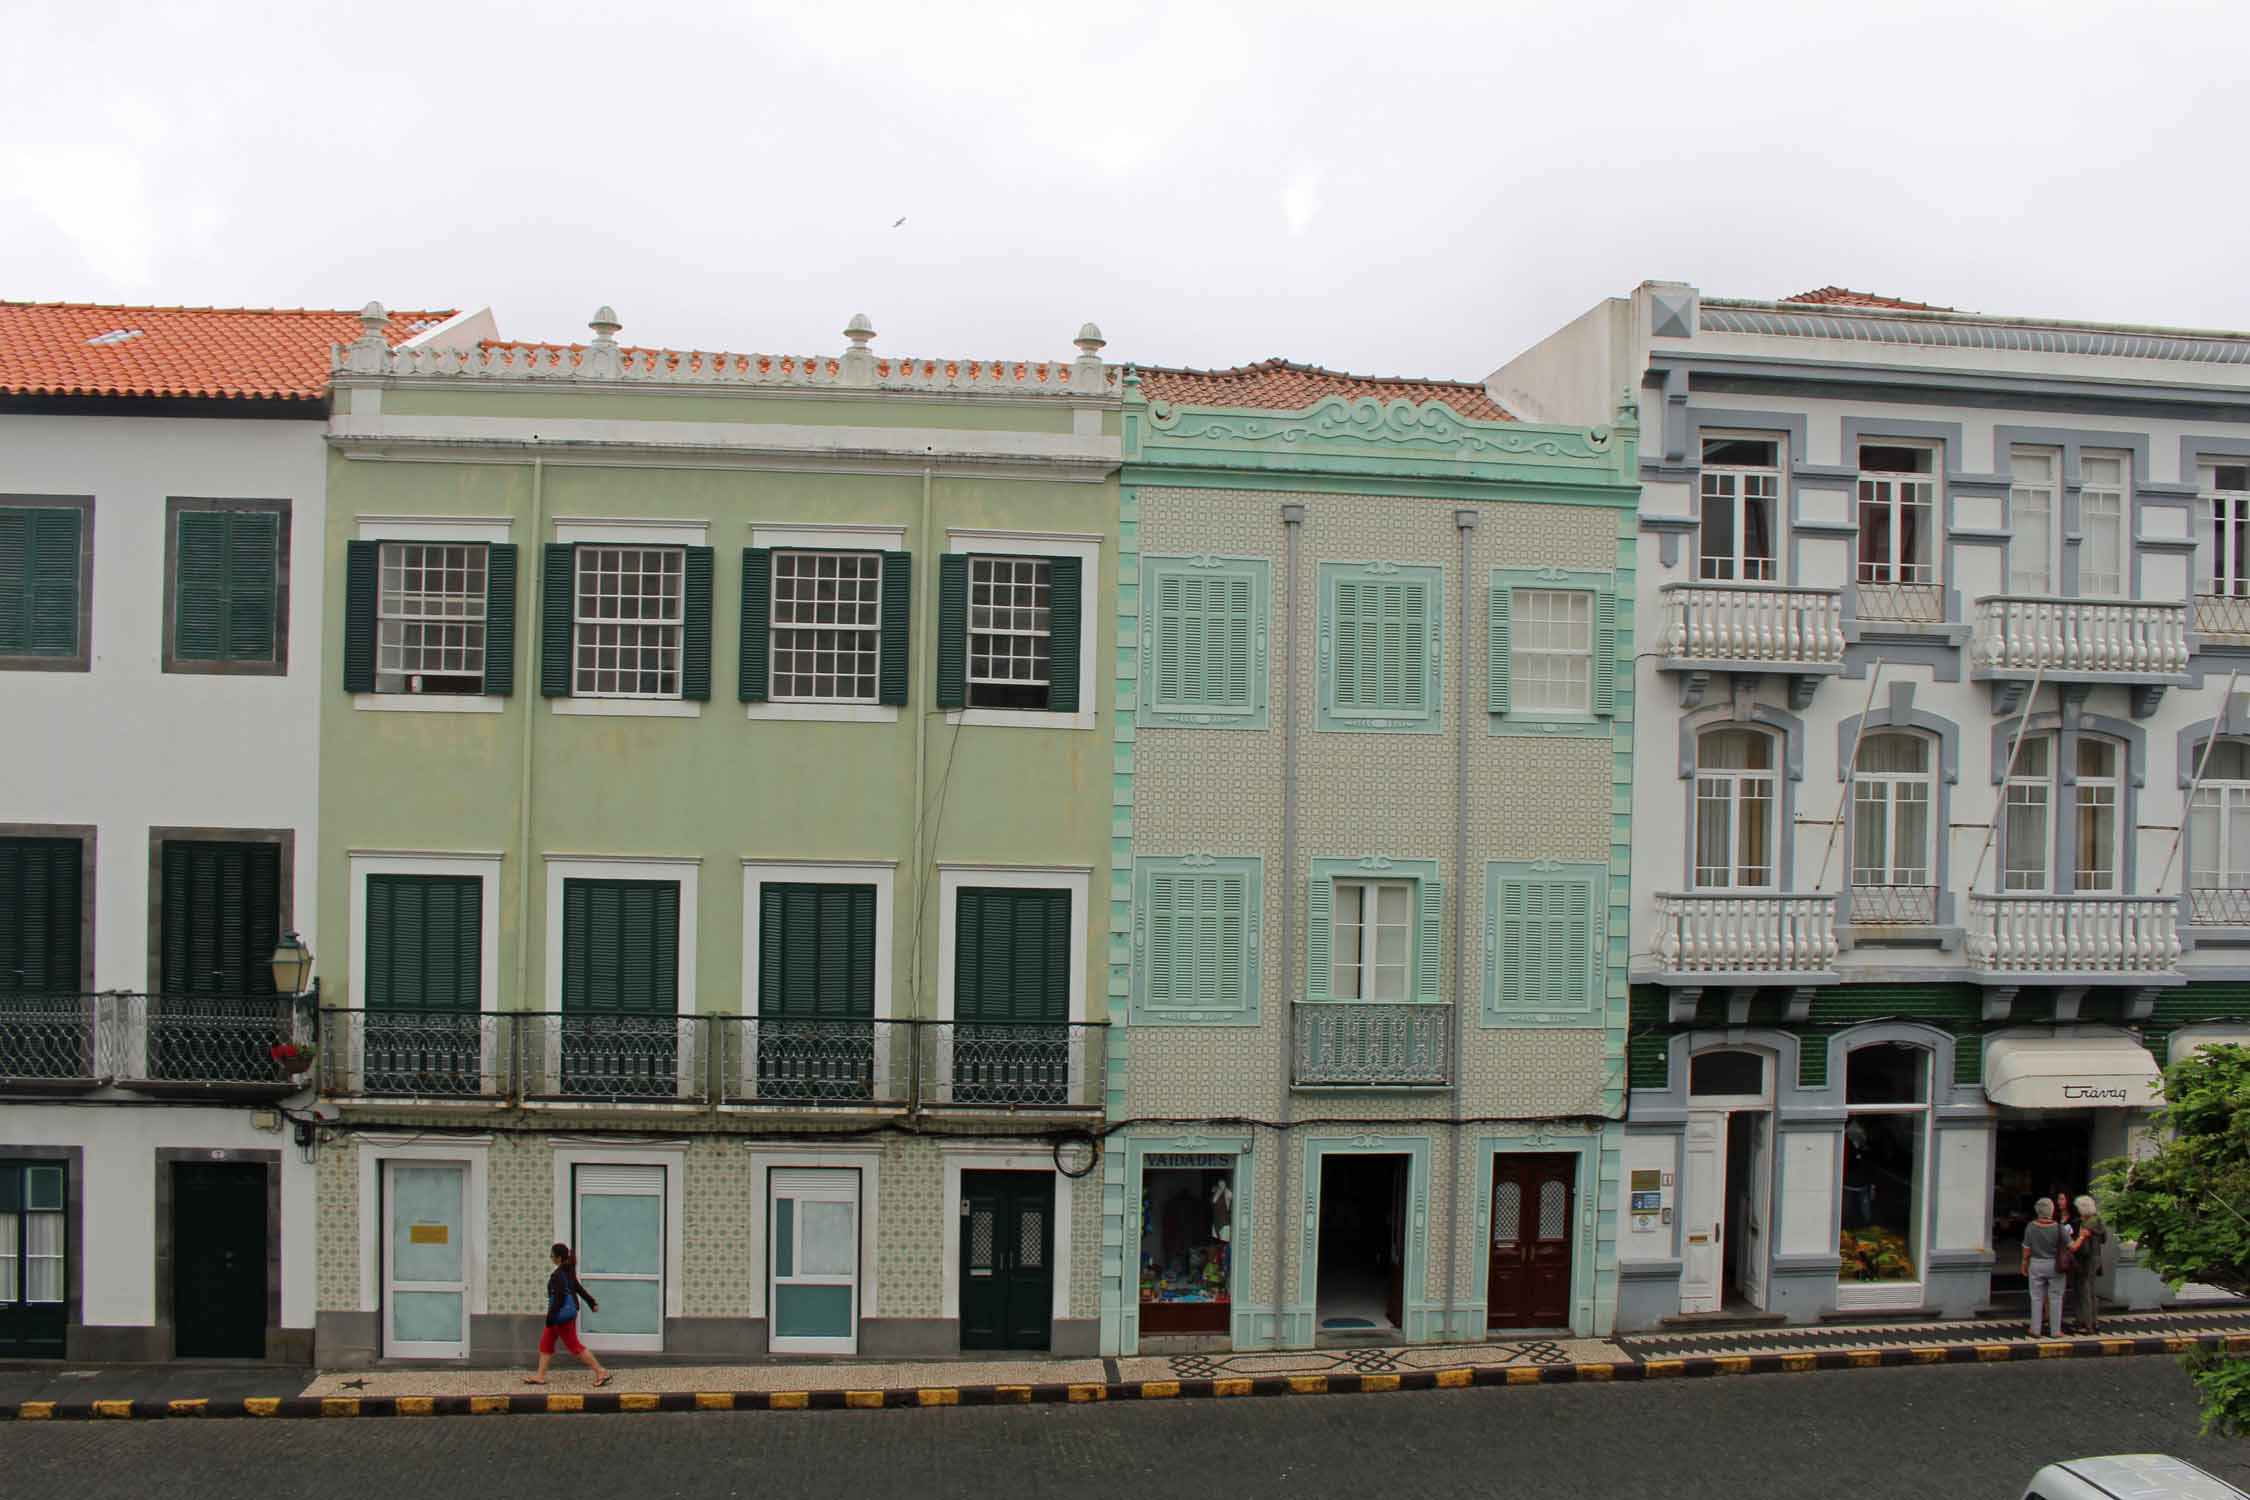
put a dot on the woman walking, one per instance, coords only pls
(564, 1293)
(2042, 1240)
(2086, 1262)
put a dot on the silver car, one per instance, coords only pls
(2128, 1476)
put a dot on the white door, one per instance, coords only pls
(812, 1302)
(620, 1244)
(1751, 1239)
(1703, 1214)
(425, 1261)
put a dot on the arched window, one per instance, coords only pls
(2218, 851)
(1735, 814)
(1886, 1171)
(1894, 795)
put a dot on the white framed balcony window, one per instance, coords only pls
(1374, 940)
(2095, 802)
(1740, 494)
(1885, 1220)
(2218, 851)
(1551, 651)
(1893, 798)
(2101, 524)
(2027, 828)
(1735, 810)
(826, 626)
(2222, 548)
(1897, 514)
(627, 620)
(2034, 515)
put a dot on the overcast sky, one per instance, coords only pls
(1213, 182)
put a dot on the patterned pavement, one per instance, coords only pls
(1953, 1332)
(1371, 1360)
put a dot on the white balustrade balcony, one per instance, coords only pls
(2072, 935)
(1745, 936)
(2124, 640)
(1761, 626)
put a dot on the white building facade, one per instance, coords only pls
(1940, 618)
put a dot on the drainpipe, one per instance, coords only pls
(523, 779)
(1292, 524)
(921, 712)
(1464, 522)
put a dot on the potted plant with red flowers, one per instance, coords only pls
(295, 1059)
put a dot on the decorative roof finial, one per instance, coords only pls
(859, 360)
(373, 320)
(1086, 371)
(1090, 340)
(605, 324)
(370, 353)
(601, 359)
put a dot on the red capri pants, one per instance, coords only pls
(567, 1332)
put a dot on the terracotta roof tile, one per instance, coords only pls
(1840, 296)
(1278, 385)
(243, 353)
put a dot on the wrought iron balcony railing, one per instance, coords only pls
(611, 1058)
(2071, 935)
(1894, 905)
(2218, 906)
(416, 1054)
(1745, 933)
(161, 1043)
(1022, 1065)
(1373, 1044)
(2222, 614)
(798, 1063)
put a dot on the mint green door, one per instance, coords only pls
(620, 1242)
(425, 1261)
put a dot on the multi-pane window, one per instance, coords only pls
(1735, 790)
(1010, 633)
(2034, 507)
(2027, 832)
(2101, 521)
(2218, 850)
(1741, 493)
(2095, 802)
(2222, 549)
(827, 626)
(627, 620)
(1551, 650)
(430, 618)
(31, 1238)
(1897, 572)
(1374, 939)
(1891, 827)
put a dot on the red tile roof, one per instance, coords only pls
(1278, 385)
(244, 353)
(1841, 296)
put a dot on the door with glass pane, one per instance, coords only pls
(1528, 1270)
(1891, 832)
(619, 1237)
(425, 1260)
(33, 1277)
(2218, 838)
(1734, 810)
(812, 1301)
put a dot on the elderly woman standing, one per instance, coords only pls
(2042, 1240)
(2086, 1252)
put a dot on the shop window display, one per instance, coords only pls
(1187, 1245)
(1886, 1135)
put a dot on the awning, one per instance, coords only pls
(2187, 1042)
(2070, 1072)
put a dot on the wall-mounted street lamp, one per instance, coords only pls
(292, 965)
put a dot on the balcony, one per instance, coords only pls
(1354, 1044)
(1745, 938)
(1011, 1065)
(2023, 939)
(2226, 615)
(1894, 905)
(180, 1045)
(2020, 637)
(798, 1064)
(1752, 627)
(402, 1055)
(2218, 906)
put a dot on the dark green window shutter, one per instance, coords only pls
(1605, 652)
(757, 623)
(500, 619)
(253, 583)
(221, 918)
(953, 630)
(621, 946)
(363, 573)
(695, 625)
(1011, 955)
(39, 553)
(892, 661)
(41, 906)
(816, 951)
(1320, 938)
(425, 942)
(557, 581)
(226, 585)
(1496, 685)
(1064, 597)
(199, 587)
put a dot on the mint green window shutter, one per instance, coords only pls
(1064, 598)
(695, 625)
(363, 572)
(1513, 946)
(1406, 647)
(1161, 958)
(953, 630)
(557, 583)
(1429, 938)
(199, 587)
(1352, 686)
(1496, 684)
(1235, 605)
(500, 619)
(253, 584)
(1382, 647)
(1174, 624)
(1203, 627)
(757, 623)
(1320, 938)
(1221, 901)
(891, 659)
(39, 555)
(1544, 941)
(40, 905)
(1605, 652)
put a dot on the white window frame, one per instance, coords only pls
(1366, 968)
(1891, 784)
(1577, 660)
(1870, 1296)
(1735, 784)
(485, 866)
(756, 875)
(439, 531)
(672, 1160)
(2044, 785)
(2222, 541)
(2111, 523)
(2023, 490)
(1076, 879)
(1737, 481)
(472, 1152)
(1893, 496)
(1087, 548)
(777, 1343)
(834, 537)
(868, 1162)
(2217, 869)
(2114, 784)
(625, 533)
(687, 872)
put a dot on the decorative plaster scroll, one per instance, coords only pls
(1341, 418)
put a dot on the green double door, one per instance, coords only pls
(1007, 1260)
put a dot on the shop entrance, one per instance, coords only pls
(1361, 1286)
(1187, 1243)
(1726, 1195)
(2036, 1154)
(219, 1260)
(1527, 1282)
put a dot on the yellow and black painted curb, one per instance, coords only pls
(548, 1403)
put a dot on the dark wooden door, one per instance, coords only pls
(34, 1301)
(1007, 1260)
(1528, 1283)
(219, 1260)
